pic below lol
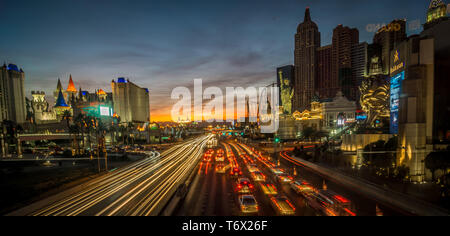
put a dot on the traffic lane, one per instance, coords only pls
(102, 190)
(302, 208)
(264, 203)
(152, 187)
(88, 194)
(363, 205)
(209, 195)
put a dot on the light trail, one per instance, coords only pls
(141, 188)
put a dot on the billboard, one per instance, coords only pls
(396, 87)
(104, 111)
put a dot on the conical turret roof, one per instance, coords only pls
(60, 102)
(59, 86)
(71, 87)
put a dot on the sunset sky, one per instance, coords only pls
(161, 45)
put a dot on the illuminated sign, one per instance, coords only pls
(398, 66)
(104, 111)
(361, 117)
(396, 86)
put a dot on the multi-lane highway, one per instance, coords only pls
(140, 189)
(214, 193)
(149, 186)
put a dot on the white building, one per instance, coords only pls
(131, 102)
(338, 112)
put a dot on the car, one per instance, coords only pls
(302, 187)
(236, 171)
(333, 204)
(206, 158)
(284, 178)
(221, 168)
(252, 168)
(258, 176)
(220, 158)
(243, 185)
(277, 171)
(282, 205)
(248, 204)
(268, 189)
(209, 152)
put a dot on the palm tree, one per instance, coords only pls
(130, 129)
(67, 116)
(81, 124)
(123, 129)
(75, 131)
(90, 126)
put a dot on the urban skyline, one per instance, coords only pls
(260, 57)
(225, 109)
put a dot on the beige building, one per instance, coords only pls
(12, 94)
(131, 102)
(423, 101)
(41, 112)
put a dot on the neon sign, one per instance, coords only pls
(396, 86)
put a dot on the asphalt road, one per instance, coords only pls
(140, 189)
(213, 193)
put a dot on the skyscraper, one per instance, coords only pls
(12, 91)
(360, 61)
(324, 87)
(389, 37)
(131, 102)
(307, 40)
(344, 38)
(437, 12)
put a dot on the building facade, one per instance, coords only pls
(339, 112)
(131, 102)
(12, 91)
(307, 40)
(344, 39)
(422, 65)
(387, 38)
(40, 109)
(360, 60)
(324, 86)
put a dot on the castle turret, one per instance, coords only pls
(58, 88)
(61, 105)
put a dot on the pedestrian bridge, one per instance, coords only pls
(37, 137)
